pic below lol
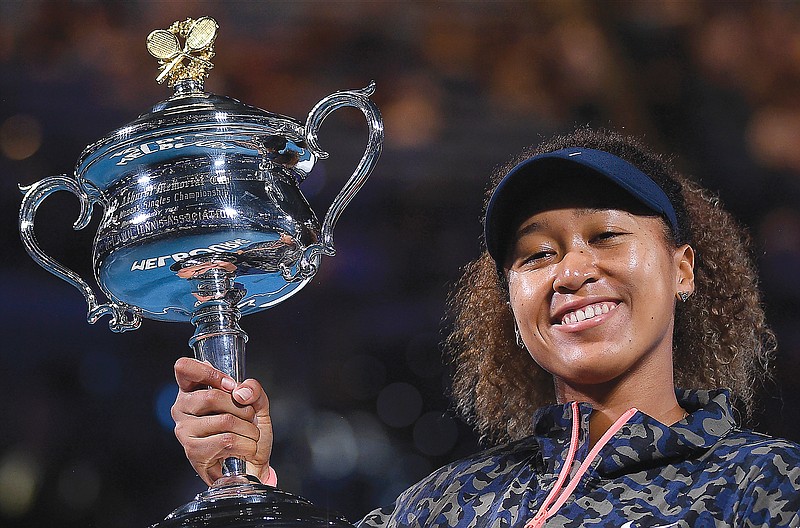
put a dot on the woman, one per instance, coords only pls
(608, 281)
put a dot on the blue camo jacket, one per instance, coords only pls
(701, 472)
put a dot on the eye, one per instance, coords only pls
(538, 257)
(532, 252)
(607, 236)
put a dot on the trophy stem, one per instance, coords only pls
(219, 339)
(235, 500)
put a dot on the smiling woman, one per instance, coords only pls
(719, 337)
(598, 344)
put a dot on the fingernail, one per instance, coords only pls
(228, 384)
(244, 393)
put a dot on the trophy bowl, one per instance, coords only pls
(203, 221)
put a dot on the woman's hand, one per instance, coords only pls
(216, 418)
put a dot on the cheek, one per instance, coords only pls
(651, 275)
(638, 260)
(526, 296)
(518, 290)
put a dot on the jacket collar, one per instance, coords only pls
(643, 441)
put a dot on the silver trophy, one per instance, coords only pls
(203, 221)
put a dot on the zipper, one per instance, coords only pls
(559, 494)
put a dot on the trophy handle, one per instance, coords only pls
(123, 316)
(358, 99)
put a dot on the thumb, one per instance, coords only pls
(250, 392)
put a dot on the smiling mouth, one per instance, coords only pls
(588, 312)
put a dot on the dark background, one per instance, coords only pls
(352, 363)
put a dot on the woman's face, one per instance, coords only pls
(593, 289)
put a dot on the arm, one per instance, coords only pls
(215, 419)
(772, 498)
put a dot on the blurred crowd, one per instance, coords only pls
(352, 363)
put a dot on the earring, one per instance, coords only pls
(684, 296)
(518, 337)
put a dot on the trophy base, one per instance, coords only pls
(250, 505)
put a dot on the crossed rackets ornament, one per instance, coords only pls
(193, 60)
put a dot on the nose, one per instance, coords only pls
(576, 268)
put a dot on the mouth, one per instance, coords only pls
(587, 312)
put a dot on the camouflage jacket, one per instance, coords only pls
(703, 471)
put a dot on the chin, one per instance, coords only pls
(587, 377)
(588, 370)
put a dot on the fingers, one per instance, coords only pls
(207, 402)
(250, 392)
(192, 374)
(251, 395)
(215, 419)
(208, 439)
(206, 454)
(216, 424)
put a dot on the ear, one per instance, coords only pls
(684, 268)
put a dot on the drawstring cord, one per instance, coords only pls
(557, 494)
(539, 518)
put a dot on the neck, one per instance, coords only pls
(654, 397)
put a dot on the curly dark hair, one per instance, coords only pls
(720, 335)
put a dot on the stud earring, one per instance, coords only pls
(684, 296)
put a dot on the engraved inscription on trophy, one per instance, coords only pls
(130, 154)
(154, 208)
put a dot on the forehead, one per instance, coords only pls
(557, 222)
(583, 193)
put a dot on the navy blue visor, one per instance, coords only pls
(502, 206)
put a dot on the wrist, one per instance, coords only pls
(271, 478)
(265, 474)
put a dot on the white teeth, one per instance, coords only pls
(587, 312)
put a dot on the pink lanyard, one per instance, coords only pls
(558, 496)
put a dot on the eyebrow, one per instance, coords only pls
(537, 226)
(528, 229)
(534, 227)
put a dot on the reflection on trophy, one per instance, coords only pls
(203, 221)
